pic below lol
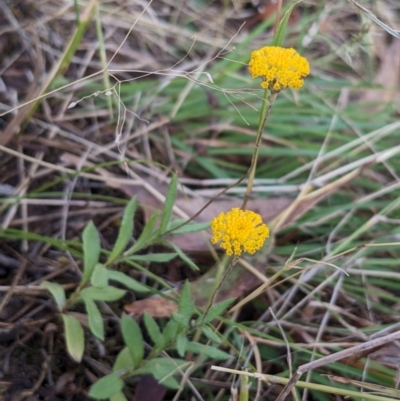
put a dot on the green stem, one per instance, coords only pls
(264, 113)
(219, 279)
(244, 388)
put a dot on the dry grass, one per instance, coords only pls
(149, 88)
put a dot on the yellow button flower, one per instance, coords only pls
(279, 68)
(239, 230)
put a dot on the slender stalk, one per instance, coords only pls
(244, 388)
(103, 57)
(266, 107)
(264, 113)
(219, 279)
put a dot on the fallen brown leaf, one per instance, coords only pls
(156, 307)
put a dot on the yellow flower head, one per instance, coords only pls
(239, 230)
(279, 68)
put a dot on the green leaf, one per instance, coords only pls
(154, 331)
(163, 368)
(106, 387)
(217, 310)
(191, 227)
(183, 256)
(108, 293)
(211, 335)
(181, 320)
(127, 281)
(207, 350)
(125, 231)
(74, 337)
(186, 304)
(170, 331)
(120, 396)
(123, 361)
(169, 203)
(146, 237)
(91, 250)
(133, 339)
(99, 276)
(96, 323)
(281, 30)
(181, 343)
(154, 257)
(57, 292)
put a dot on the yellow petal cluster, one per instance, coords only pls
(280, 68)
(239, 230)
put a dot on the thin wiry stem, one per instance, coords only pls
(264, 114)
(211, 301)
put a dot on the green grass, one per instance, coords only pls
(315, 135)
